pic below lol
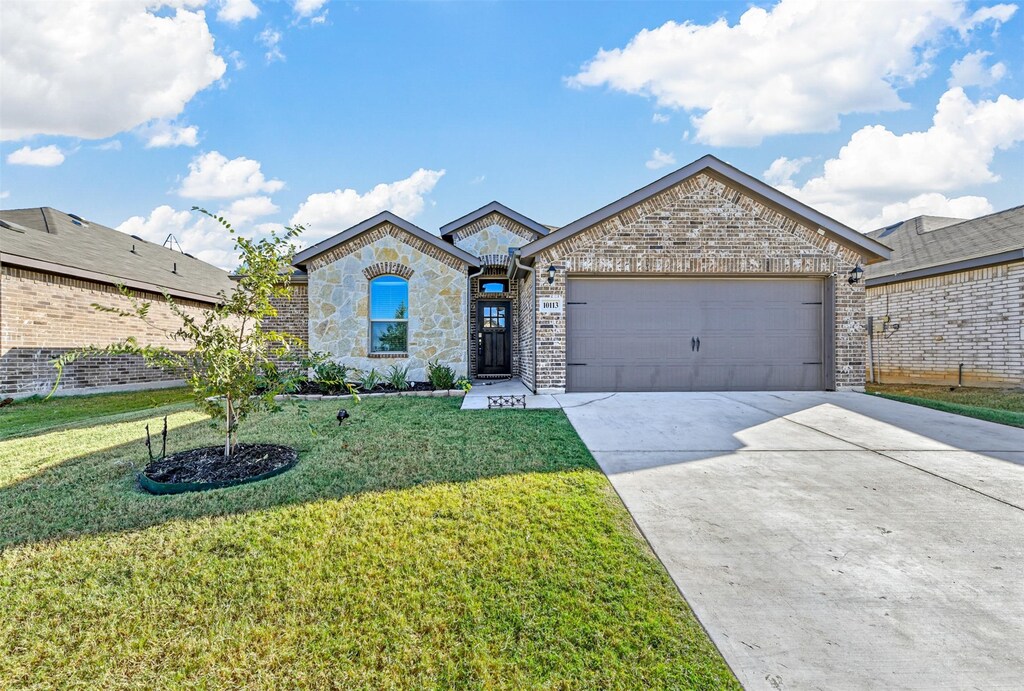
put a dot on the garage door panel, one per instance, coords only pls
(635, 334)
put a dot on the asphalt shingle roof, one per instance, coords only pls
(46, 236)
(926, 242)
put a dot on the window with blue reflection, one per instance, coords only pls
(389, 314)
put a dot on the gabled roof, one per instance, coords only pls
(51, 241)
(494, 207)
(383, 217)
(930, 245)
(872, 250)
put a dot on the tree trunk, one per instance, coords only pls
(227, 436)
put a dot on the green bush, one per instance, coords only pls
(332, 376)
(440, 376)
(371, 380)
(463, 383)
(398, 377)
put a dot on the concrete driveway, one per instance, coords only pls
(828, 540)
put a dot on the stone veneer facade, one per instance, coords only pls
(972, 317)
(490, 238)
(338, 285)
(702, 226)
(44, 315)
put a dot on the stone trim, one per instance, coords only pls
(388, 269)
(384, 230)
(494, 219)
(387, 356)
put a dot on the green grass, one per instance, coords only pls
(37, 414)
(1005, 406)
(418, 546)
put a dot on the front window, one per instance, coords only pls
(493, 285)
(389, 315)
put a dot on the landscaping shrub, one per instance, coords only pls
(371, 380)
(332, 377)
(398, 377)
(440, 376)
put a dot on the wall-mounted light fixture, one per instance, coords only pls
(855, 273)
(551, 274)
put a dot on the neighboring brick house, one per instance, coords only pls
(54, 267)
(707, 279)
(949, 306)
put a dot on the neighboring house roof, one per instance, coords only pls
(494, 207)
(48, 240)
(930, 245)
(305, 255)
(872, 250)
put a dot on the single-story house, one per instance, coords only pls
(948, 308)
(54, 266)
(707, 279)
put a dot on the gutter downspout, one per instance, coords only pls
(470, 341)
(533, 277)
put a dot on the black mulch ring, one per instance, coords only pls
(207, 464)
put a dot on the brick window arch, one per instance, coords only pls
(388, 269)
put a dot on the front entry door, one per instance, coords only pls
(494, 337)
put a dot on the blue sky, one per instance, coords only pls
(323, 112)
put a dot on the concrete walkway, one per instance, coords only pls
(828, 540)
(476, 399)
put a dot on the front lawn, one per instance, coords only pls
(418, 546)
(37, 413)
(1005, 406)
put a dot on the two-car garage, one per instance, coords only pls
(705, 280)
(698, 334)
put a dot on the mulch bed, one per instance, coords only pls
(315, 388)
(208, 465)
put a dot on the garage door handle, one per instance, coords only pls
(698, 345)
(693, 344)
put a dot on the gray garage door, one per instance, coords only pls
(694, 334)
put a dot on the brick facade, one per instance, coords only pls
(292, 316)
(43, 316)
(972, 317)
(490, 238)
(512, 295)
(701, 226)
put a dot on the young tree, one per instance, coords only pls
(227, 358)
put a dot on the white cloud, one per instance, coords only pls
(92, 69)
(307, 8)
(794, 68)
(660, 118)
(162, 134)
(247, 209)
(327, 213)
(270, 38)
(932, 204)
(237, 60)
(213, 176)
(4, 194)
(972, 71)
(200, 235)
(782, 170)
(660, 159)
(46, 156)
(234, 11)
(877, 168)
(113, 145)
